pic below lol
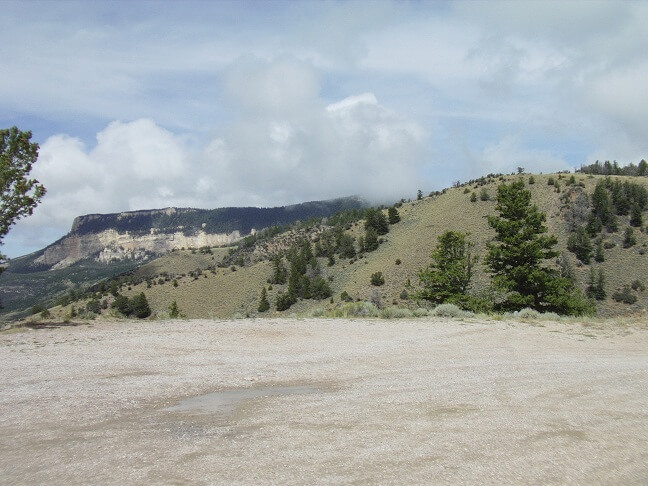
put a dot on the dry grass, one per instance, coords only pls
(227, 294)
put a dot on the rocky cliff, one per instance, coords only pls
(140, 235)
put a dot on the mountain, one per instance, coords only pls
(227, 282)
(101, 245)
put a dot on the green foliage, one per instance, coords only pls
(579, 243)
(531, 180)
(483, 194)
(122, 304)
(370, 239)
(392, 215)
(140, 306)
(284, 301)
(174, 310)
(94, 306)
(473, 197)
(599, 254)
(279, 274)
(625, 295)
(377, 279)
(19, 195)
(551, 181)
(596, 285)
(519, 253)
(345, 297)
(376, 219)
(346, 246)
(636, 218)
(419, 195)
(629, 239)
(137, 306)
(449, 310)
(638, 286)
(264, 305)
(447, 278)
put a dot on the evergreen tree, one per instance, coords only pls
(636, 219)
(346, 246)
(518, 256)
(279, 275)
(629, 238)
(419, 195)
(376, 219)
(140, 306)
(447, 278)
(370, 239)
(264, 305)
(599, 254)
(174, 311)
(579, 243)
(392, 215)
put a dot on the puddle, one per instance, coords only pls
(224, 402)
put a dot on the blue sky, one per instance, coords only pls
(152, 104)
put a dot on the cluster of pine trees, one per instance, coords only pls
(518, 260)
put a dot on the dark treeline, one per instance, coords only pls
(613, 168)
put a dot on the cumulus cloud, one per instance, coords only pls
(286, 146)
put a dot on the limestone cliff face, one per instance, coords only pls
(138, 235)
(110, 245)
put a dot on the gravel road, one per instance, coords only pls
(324, 402)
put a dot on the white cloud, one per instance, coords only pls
(287, 146)
(508, 154)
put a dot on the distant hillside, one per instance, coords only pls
(225, 285)
(101, 245)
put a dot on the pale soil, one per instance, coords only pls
(363, 402)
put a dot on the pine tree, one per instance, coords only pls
(140, 306)
(278, 271)
(636, 219)
(174, 311)
(264, 305)
(392, 215)
(447, 278)
(599, 254)
(579, 243)
(370, 239)
(518, 256)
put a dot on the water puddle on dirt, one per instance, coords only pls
(224, 402)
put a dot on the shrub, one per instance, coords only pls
(420, 312)
(629, 239)
(527, 313)
(638, 286)
(551, 181)
(284, 301)
(395, 313)
(174, 311)
(625, 295)
(377, 279)
(473, 197)
(449, 310)
(531, 180)
(398, 261)
(345, 297)
(404, 295)
(483, 195)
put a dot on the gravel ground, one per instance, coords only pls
(324, 401)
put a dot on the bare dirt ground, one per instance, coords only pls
(324, 401)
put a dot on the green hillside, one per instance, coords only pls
(226, 285)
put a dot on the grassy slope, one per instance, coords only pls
(227, 293)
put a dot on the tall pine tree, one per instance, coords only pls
(517, 258)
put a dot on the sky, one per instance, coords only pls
(140, 105)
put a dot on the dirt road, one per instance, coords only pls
(324, 401)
